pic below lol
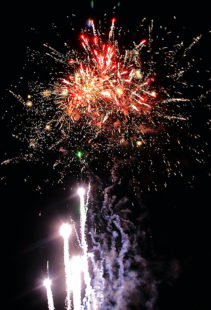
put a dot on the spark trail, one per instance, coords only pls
(76, 269)
(47, 284)
(89, 294)
(65, 232)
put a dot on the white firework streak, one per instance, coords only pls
(65, 232)
(76, 269)
(111, 32)
(89, 299)
(47, 284)
(87, 197)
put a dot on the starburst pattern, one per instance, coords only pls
(105, 96)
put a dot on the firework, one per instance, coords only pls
(108, 96)
(75, 265)
(111, 91)
(47, 284)
(65, 232)
(90, 295)
(107, 282)
(106, 88)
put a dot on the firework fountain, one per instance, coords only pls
(108, 256)
(75, 265)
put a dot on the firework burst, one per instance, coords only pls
(109, 90)
(106, 96)
(106, 88)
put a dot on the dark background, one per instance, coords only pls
(179, 216)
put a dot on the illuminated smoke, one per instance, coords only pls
(122, 274)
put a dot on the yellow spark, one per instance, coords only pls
(138, 74)
(119, 91)
(32, 143)
(46, 93)
(48, 127)
(153, 94)
(29, 104)
(64, 92)
(139, 143)
(106, 93)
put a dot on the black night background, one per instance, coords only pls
(176, 218)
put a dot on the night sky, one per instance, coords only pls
(178, 215)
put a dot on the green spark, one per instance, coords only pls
(79, 154)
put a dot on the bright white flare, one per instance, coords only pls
(65, 230)
(47, 284)
(81, 191)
